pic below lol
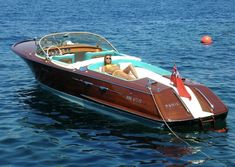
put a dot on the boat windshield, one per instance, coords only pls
(72, 39)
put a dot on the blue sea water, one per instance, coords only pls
(39, 129)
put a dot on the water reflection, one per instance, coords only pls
(88, 131)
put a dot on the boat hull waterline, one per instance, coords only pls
(73, 70)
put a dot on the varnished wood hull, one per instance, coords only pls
(130, 98)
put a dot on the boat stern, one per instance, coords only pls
(203, 109)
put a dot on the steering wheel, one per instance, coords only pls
(55, 47)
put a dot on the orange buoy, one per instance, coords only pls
(223, 130)
(207, 40)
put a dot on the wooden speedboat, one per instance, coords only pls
(69, 64)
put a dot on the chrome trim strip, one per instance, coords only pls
(207, 100)
(113, 83)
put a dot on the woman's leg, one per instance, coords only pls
(131, 69)
(122, 74)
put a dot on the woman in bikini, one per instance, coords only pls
(115, 70)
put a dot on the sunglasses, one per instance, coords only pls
(108, 58)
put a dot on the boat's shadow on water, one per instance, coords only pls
(45, 111)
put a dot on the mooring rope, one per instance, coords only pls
(177, 136)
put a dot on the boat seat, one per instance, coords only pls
(99, 65)
(90, 55)
(122, 66)
(135, 63)
(67, 58)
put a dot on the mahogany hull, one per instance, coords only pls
(131, 98)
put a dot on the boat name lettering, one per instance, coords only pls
(134, 99)
(171, 105)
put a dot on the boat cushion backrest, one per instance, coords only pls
(90, 55)
(101, 64)
(135, 63)
(67, 58)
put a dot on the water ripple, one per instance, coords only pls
(40, 129)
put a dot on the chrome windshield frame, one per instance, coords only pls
(85, 38)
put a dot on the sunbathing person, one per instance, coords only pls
(115, 70)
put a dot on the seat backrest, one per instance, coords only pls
(90, 55)
(135, 63)
(67, 58)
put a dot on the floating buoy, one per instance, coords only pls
(223, 130)
(207, 40)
